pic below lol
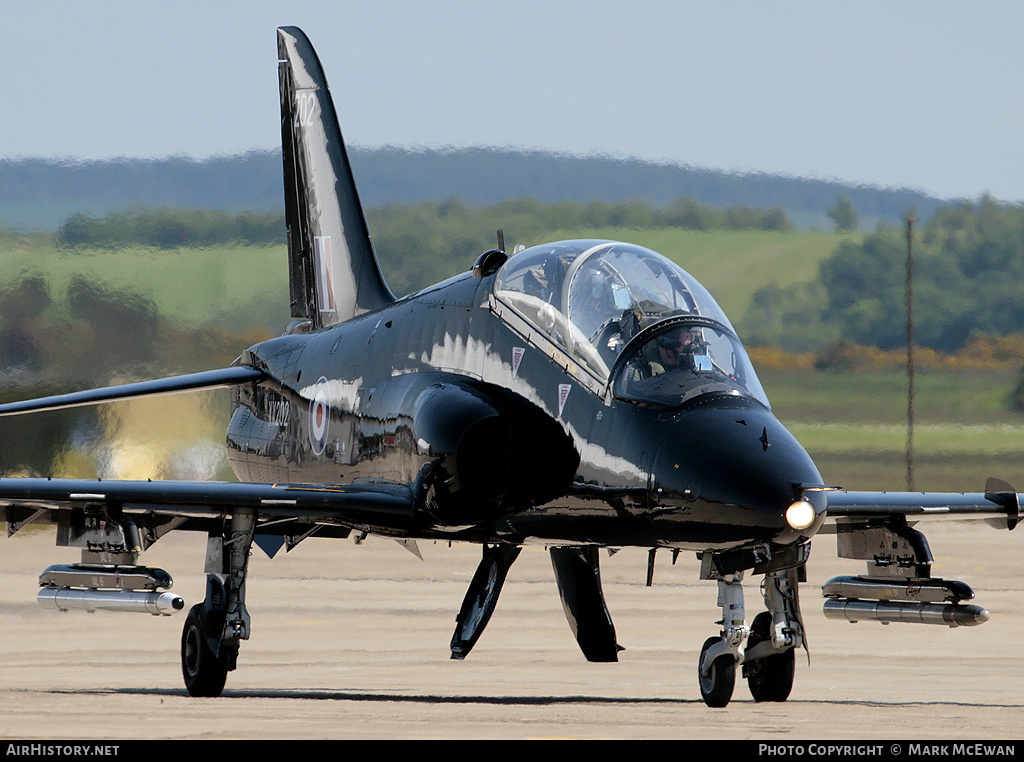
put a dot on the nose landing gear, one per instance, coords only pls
(769, 678)
(766, 650)
(716, 670)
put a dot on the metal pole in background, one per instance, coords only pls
(910, 351)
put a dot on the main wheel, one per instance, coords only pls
(716, 687)
(205, 673)
(770, 678)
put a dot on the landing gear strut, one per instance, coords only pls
(215, 627)
(716, 670)
(769, 662)
(768, 655)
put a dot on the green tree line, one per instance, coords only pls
(169, 228)
(968, 280)
(418, 244)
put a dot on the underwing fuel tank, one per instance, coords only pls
(136, 601)
(948, 614)
(108, 587)
(918, 601)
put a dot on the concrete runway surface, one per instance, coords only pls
(351, 641)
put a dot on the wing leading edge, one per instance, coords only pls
(999, 505)
(210, 379)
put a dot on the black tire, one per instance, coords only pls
(717, 686)
(204, 673)
(770, 678)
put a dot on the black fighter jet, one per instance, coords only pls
(577, 395)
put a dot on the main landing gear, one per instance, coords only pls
(768, 656)
(215, 628)
(578, 574)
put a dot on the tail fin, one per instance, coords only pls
(333, 272)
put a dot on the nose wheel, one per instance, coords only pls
(718, 679)
(716, 670)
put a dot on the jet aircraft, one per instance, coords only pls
(576, 395)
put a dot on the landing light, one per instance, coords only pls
(800, 515)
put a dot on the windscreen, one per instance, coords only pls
(684, 360)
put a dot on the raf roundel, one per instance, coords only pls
(319, 416)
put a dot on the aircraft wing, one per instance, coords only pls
(999, 505)
(158, 506)
(206, 498)
(210, 379)
(190, 504)
(209, 498)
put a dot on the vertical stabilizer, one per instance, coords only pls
(333, 272)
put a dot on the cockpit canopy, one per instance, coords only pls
(593, 298)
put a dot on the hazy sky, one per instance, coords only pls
(897, 93)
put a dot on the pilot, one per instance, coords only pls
(676, 349)
(535, 283)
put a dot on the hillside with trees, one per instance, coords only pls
(968, 281)
(418, 244)
(969, 258)
(40, 193)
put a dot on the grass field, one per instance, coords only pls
(855, 427)
(208, 284)
(957, 397)
(231, 286)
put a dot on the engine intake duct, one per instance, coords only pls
(921, 601)
(108, 587)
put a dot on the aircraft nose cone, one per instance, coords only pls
(740, 470)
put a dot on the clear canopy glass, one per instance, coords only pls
(591, 298)
(684, 358)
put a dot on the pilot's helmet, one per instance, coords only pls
(688, 335)
(678, 335)
(538, 275)
(669, 340)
